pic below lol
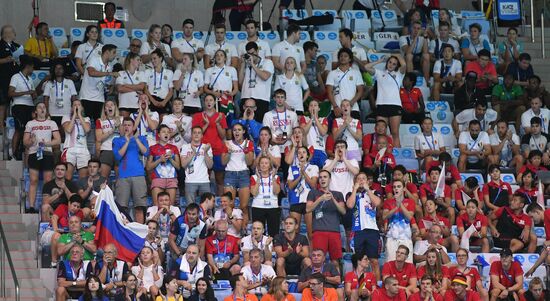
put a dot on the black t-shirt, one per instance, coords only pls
(51, 188)
(7, 70)
(280, 240)
(466, 99)
(518, 73)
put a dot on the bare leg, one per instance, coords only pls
(395, 121)
(244, 196)
(33, 176)
(70, 171)
(219, 175)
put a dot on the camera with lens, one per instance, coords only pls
(246, 56)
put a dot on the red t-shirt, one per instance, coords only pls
(437, 282)
(387, 159)
(410, 187)
(416, 297)
(230, 245)
(62, 211)
(470, 296)
(410, 100)
(506, 278)
(431, 4)
(472, 275)
(476, 67)
(531, 167)
(369, 145)
(542, 298)
(442, 221)
(531, 193)
(547, 221)
(408, 272)
(368, 281)
(381, 295)
(392, 203)
(158, 150)
(211, 133)
(451, 172)
(426, 191)
(480, 220)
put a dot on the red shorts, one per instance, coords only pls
(164, 183)
(330, 242)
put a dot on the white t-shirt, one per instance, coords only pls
(144, 130)
(199, 169)
(21, 83)
(185, 46)
(432, 46)
(265, 271)
(106, 126)
(341, 179)
(148, 279)
(266, 198)
(247, 245)
(230, 50)
(388, 84)
(432, 142)
(358, 52)
(454, 68)
(159, 83)
(63, 91)
(313, 136)
(474, 145)
(221, 78)
(192, 82)
(294, 88)
(281, 122)
(346, 135)
(311, 171)
(93, 88)
(129, 100)
(170, 121)
(86, 52)
(463, 119)
(506, 153)
(345, 85)
(43, 131)
(76, 138)
(237, 160)
(237, 214)
(151, 211)
(284, 49)
(264, 50)
(147, 49)
(407, 40)
(544, 115)
(261, 89)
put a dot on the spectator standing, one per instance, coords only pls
(252, 29)
(289, 47)
(188, 81)
(110, 21)
(188, 44)
(8, 66)
(196, 159)
(163, 163)
(343, 83)
(130, 84)
(159, 84)
(91, 47)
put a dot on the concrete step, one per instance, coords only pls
(17, 235)
(22, 273)
(23, 255)
(10, 217)
(42, 298)
(13, 226)
(7, 181)
(10, 208)
(19, 245)
(10, 191)
(28, 283)
(37, 292)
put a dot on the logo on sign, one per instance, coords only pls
(303, 36)
(33, 76)
(445, 130)
(77, 32)
(509, 8)
(179, 35)
(261, 35)
(108, 33)
(456, 152)
(375, 14)
(406, 153)
(58, 32)
(320, 36)
(241, 36)
(419, 81)
(533, 258)
(64, 52)
(388, 14)
(230, 36)
(271, 36)
(430, 106)
(360, 15)
(539, 232)
(119, 33)
(441, 115)
(508, 179)
(317, 13)
(442, 105)
(332, 36)
(519, 258)
(198, 35)
(373, 57)
(138, 34)
(395, 152)
(41, 75)
(413, 130)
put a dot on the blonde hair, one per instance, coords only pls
(150, 32)
(193, 59)
(104, 116)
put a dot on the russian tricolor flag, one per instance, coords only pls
(110, 228)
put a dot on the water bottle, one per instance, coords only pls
(40, 151)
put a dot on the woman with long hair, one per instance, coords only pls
(160, 88)
(132, 291)
(278, 291)
(294, 84)
(471, 273)
(75, 148)
(528, 186)
(149, 274)
(265, 186)
(221, 81)
(436, 270)
(153, 43)
(93, 290)
(265, 148)
(167, 32)
(107, 127)
(90, 47)
(169, 290)
(189, 82)
(203, 291)
(129, 85)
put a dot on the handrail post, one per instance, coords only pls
(5, 256)
(543, 46)
(2, 271)
(532, 21)
(261, 6)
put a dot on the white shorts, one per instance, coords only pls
(393, 244)
(46, 238)
(77, 156)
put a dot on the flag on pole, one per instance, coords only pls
(440, 189)
(540, 195)
(110, 228)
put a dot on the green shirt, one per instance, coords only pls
(86, 237)
(503, 94)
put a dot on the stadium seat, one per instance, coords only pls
(201, 35)
(448, 134)
(37, 76)
(386, 41)
(295, 14)
(233, 37)
(439, 111)
(178, 34)
(478, 176)
(140, 34)
(304, 36)
(327, 40)
(363, 39)
(77, 33)
(336, 25)
(390, 20)
(356, 20)
(472, 14)
(407, 132)
(59, 36)
(423, 86)
(406, 156)
(64, 51)
(271, 37)
(373, 57)
(505, 177)
(117, 37)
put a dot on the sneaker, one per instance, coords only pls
(53, 265)
(29, 210)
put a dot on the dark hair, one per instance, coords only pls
(87, 31)
(233, 280)
(280, 92)
(228, 195)
(524, 56)
(400, 168)
(434, 168)
(94, 160)
(310, 45)
(536, 120)
(167, 25)
(108, 47)
(162, 193)
(56, 63)
(191, 207)
(471, 182)
(512, 29)
(188, 21)
(445, 157)
(443, 24)
(158, 53)
(535, 77)
(356, 257)
(317, 276)
(341, 141)
(61, 163)
(492, 168)
(209, 293)
(445, 45)
(484, 52)
(533, 153)
(75, 198)
(411, 76)
(291, 29)
(346, 51)
(534, 206)
(220, 25)
(347, 32)
(40, 25)
(127, 119)
(474, 122)
(474, 201)
(162, 126)
(167, 279)
(251, 45)
(398, 63)
(109, 4)
(87, 295)
(481, 102)
(75, 44)
(475, 25)
(25, 60)
(206, 196)
(521, 196)
(251, 21)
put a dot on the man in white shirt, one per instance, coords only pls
(474, 147)
(341, 169)
(258, 275)
(486, 117)
(289, 47)
(220, 43)
(281, 121)
(94, 82)
(264, 50)
(345, 83)
(435, 47)
(428, 145)
(256, 240)
(188, 44)
(359, 55)
(505, 146)
(414, 48)
(447, 73)
(536, 110)
(255, 76)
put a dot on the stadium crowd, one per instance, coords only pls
(218, 136)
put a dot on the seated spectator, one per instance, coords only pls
(258, 275)
(60, 221)
(196, 159)
(75, 148)
(148, 272)
(222, 263)
(485, 70)
(529, 186)
(505, 146)
(71, 275)
(509, 50)
(539, 215)
(132, 290)
(382, 164)
(319, 266)
(203, 291)
(511, 227)
(452, 175)
(189, 269)
(412, 100)
(401, 270)
(535, 89)
(164, 214)
(447, 73)
(57, 191)
(93, 290)
(278, 290)
(496, 193)
(111, 271)
(186, 230)
(474, 146)
(391, 291)
(433, 241)
(414, 47)
(370, 140)
(427, 290)
(470, 190)
(257, 240)
(473, 45)
(413, 15)
(428, 145)
(534, 164)
(521, 69)
(89, 184)
(239, 285)
(76, 236)
(359, 284)
(507, 100)
(41, 47)
(486, 118)
(441, 200)
(446, 16)
(445, 38)
(228, 212)
(474, 218)
(431, 217)
(506, 277)
(436, 270)
(459, 291)
(471, 274)
(292, 249)
(467, 95)
(536, 140)
(169, 290)
(410, 190)
(318, 289)
(536, 291)
(536, 110)
(398, 212)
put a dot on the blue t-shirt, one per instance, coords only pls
(474, 49)
(103, 298)
(130, 164)
(252, 127)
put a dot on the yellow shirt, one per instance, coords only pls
(161, 298)
(43, 48)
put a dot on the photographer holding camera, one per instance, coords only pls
(255, 77)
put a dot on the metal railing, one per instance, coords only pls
(532, 15)
(542, 46)
(5, 254)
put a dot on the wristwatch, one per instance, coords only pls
(74, 283)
